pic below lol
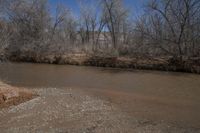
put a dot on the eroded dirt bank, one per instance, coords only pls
(191, 65)
(74, 111)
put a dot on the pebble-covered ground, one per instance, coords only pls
(73, 111)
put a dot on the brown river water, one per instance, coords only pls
(154, 96)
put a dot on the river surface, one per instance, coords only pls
(154, 96)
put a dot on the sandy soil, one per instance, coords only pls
(74, 111)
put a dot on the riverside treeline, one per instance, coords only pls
(164, 32)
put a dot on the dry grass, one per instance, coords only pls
(10, 95)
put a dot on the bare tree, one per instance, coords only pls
(5, 30)
(60, 17)
(89, 19)
(29, 22)
(170, 25)
(62, 29)
(70, 29)
(115, 14)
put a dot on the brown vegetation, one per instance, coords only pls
(191, 65)
(13, 96)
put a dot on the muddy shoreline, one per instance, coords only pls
(189, 65)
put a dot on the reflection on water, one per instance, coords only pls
(172, 95)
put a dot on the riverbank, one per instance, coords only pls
(10, 95)
(190, 65)
(74, 111)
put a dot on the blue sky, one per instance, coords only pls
(134, 5)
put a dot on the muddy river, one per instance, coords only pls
(153, 96)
